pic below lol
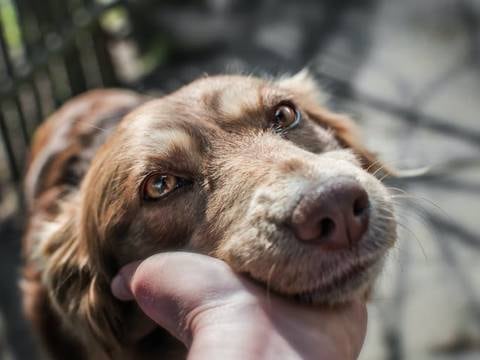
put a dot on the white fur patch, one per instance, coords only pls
(234, 100)
(305, 84)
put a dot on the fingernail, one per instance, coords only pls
(120, 288)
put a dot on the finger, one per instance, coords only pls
(354, 317)
(120, 285)
(169, 287)
(361, 312)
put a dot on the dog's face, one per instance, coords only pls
(251, 171)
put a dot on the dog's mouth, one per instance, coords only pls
(353, 280)
(341, 286)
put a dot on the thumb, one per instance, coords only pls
(171, 288)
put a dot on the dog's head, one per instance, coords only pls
(251, 171)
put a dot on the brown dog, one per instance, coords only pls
(251, 171)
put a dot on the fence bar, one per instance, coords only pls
(27, 36)
(16, 100)
(14, 172)
(37, 101)
(71, 57)
(21, 116)
(104, 60)
(5, 53)
(44, 22)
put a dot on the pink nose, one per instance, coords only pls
(334, 216)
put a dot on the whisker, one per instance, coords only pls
(382, 167)
(96, 127)
(393, 188)
(384, 176)
(406, 228)
(420, 216)
(428, 201)
(410, 195)
(375, 163)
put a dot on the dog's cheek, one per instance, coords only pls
(254, 243)
(161, 226)
(246, 252)
(147, 238)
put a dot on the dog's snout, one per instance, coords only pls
(334, 216)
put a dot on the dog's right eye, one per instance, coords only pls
(159, 185)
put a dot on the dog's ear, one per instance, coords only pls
(79, 292)
(304, 86)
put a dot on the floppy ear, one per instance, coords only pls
(312, 98)
(79, 292)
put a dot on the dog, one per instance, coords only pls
(256, 172)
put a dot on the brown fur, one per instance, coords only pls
(88, 217)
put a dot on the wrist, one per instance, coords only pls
(238, 338)
(248, 329)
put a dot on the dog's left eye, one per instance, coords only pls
(159, 185)
(285, 117)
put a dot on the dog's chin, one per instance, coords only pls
(356, 281)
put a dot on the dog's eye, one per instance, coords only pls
(285, 117)
(159, 185)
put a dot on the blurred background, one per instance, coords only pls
(408, 71)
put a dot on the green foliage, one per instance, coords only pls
(10, 25)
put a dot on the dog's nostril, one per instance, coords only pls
(360, 205)
(327, 227)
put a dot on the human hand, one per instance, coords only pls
(219, 314)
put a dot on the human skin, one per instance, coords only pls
(219, 314)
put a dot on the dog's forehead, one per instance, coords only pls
(203, 110)
(227, 93)
(229, 99)
(223, 86)
(213, 101)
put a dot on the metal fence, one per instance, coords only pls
(49, 51)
